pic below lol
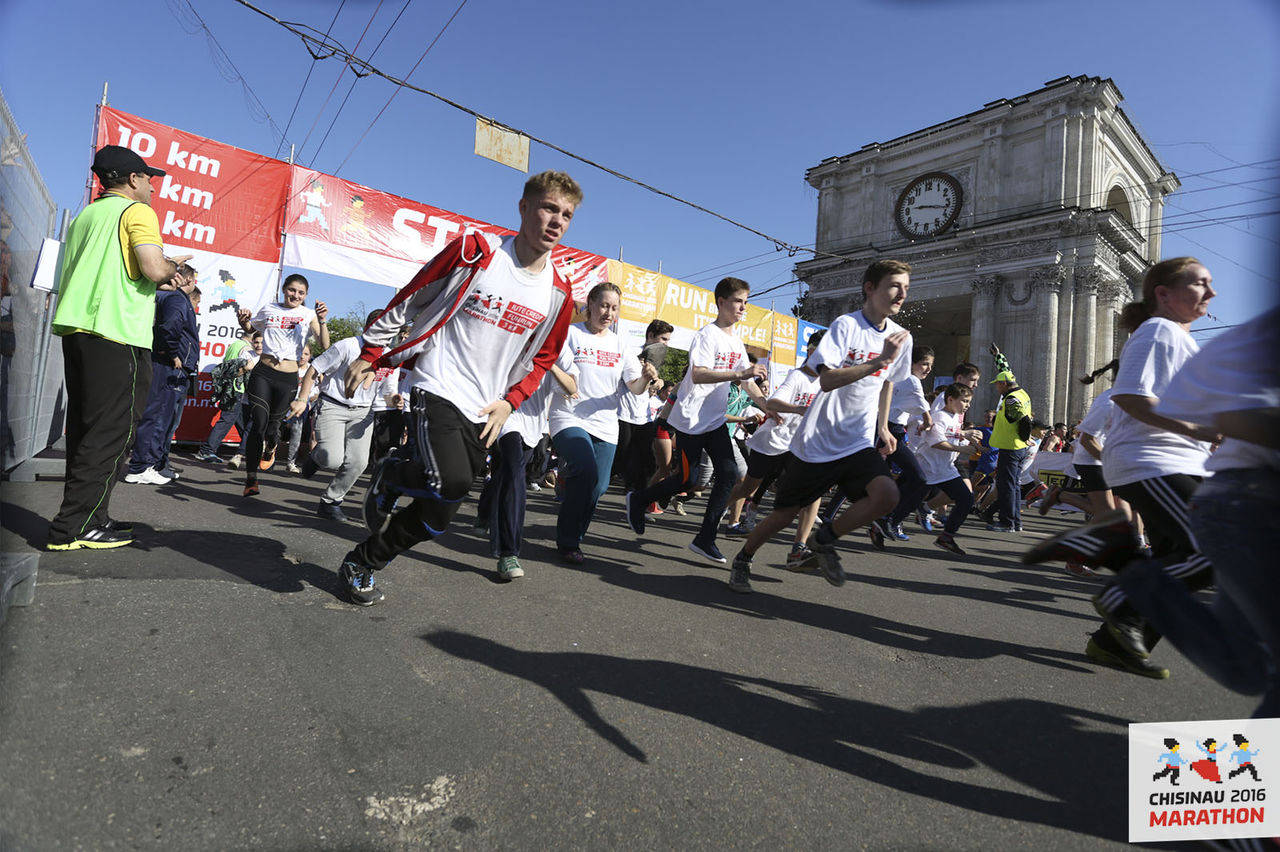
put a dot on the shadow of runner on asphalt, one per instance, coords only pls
(712, 592)
(1047, 748)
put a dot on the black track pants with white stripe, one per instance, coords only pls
(1162, 503)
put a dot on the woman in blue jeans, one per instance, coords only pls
(584, 427)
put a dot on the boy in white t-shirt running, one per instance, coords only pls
(487, 321)
(716, 358)
(937, 457)
(858, 362)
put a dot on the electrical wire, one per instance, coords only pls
(305, 81)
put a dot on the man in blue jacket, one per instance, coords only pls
(175, 353)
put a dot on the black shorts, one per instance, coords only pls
(803, 482)
(1090, 476)
(761, 466)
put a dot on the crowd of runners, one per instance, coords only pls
(475, 372)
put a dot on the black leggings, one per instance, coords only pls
(268, 394)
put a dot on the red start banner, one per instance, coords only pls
(348, 229)
(213, 197)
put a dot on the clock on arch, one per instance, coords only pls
(928, 205)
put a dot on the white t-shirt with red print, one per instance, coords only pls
(842, 422)
(1134, 450)
(772, 438)
(284, 330)
(470, 361)
(333, 363)
(939, 465)
(598, 364)
(701, 408)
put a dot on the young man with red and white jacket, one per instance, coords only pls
(488, 319)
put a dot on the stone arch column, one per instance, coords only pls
(982, 326)
(1046, 283)
(1086, 285)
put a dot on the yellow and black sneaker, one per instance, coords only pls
(102, 537)
(1104, 649)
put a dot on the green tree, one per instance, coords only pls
(673, 368)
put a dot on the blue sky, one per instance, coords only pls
(723, 103)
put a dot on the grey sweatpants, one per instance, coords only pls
(343, 436)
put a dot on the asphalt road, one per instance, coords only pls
(206, 689)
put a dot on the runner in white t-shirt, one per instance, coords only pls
(584, 427)
(286, 327)
(770, 452)
(343, 427)
(1153, 461)
(633, 460)
(858, 361)
(487, 321)
(939, 446)
(500, 510)
(716, 358)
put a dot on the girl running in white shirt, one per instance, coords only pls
(286, 326)
(584, 428)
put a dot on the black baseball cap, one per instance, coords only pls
(113, 162)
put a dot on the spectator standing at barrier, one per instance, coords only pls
(175, 352)
(487, 323)
(858, 362)
(1010, 434)
(245, 349)
(343, 426)
(716, 359)
(112, 263)
(286, 327)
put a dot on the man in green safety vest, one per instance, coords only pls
(1011, 435)
(112, 262)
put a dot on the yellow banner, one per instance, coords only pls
(686, 306)
(757, 329)
(785, 329)
(642, 290)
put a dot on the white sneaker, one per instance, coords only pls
(150, 476)
(235, 462)
(293, 468)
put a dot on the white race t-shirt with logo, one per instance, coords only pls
(530, 419)
(598, 365)
(1235, 371)
(284, 330)
(939, 465)
(772, 438)
(633, 407)
(908, 401)
(333, 363)
(1094, 424)
(474, 351)
(1134, 450)
(842, 422)
(701, 408)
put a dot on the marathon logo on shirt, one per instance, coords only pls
(287, 323)
(508, 316)
(804, 398)
(726, 361)
(382, 372)
(861, 356)
(596, 357)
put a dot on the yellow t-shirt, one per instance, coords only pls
(139, 226)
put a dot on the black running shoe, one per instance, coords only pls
(635, 514)
(358, 583)
(1109, 542)
(824, 551)
(882, 526)
(1126, 630)
(1102, 648)
(100, 537)
(707, 550)
(876, 535)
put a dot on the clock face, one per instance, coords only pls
(929, 205)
